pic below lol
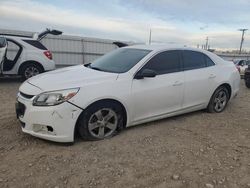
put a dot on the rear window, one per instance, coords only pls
(36, 43)
(209, 61)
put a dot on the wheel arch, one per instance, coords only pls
(28, 63)
(106, 100)
(229, 88)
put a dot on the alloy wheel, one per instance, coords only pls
(31, 71)
(220, 101)
(103, 123)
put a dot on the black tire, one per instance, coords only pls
(31, 66)
(247, 84)
(83, 126)
(212, 108)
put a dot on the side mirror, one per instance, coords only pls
(146, 73)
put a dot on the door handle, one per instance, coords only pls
(177, 83)
(212, 76)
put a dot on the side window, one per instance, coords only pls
(36, 43)
(12, 50)
(164, 62)
(209, 61)
(241, 63)
(193, 60)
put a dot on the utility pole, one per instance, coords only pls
(150, 36)
(242, 38)
(206, 44)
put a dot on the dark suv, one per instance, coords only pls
(247, 76)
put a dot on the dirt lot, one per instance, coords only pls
(193, 150)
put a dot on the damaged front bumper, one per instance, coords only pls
(54, 123)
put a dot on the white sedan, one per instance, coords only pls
(126, 87)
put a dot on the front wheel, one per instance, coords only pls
(30, 70)
(100, 121)
(219, 100)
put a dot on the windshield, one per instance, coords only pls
(120, 60)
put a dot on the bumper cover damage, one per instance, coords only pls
(54, 123)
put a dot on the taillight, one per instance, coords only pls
(48, 54)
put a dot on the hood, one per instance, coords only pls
(70, 77)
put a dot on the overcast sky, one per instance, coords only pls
(186, 22)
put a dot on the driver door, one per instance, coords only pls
(162, 94)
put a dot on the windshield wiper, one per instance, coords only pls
(95, 68)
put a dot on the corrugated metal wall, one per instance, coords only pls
(71, 50)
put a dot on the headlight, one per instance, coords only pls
(54, 97)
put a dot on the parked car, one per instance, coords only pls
(247, 76)
(26, 56)
(129, 86)
(242, 65)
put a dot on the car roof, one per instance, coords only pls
(158, 48)
(17, 37)
(23, 41)
(165, 47)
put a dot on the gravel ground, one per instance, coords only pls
(192, 150)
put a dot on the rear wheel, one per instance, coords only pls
(219, 100)
(29, 70)
(248, 84)
(100, 121)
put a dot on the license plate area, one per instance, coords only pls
(20, 109)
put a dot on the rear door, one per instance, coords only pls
(153, 97)
(14, 50)
(200, 75)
